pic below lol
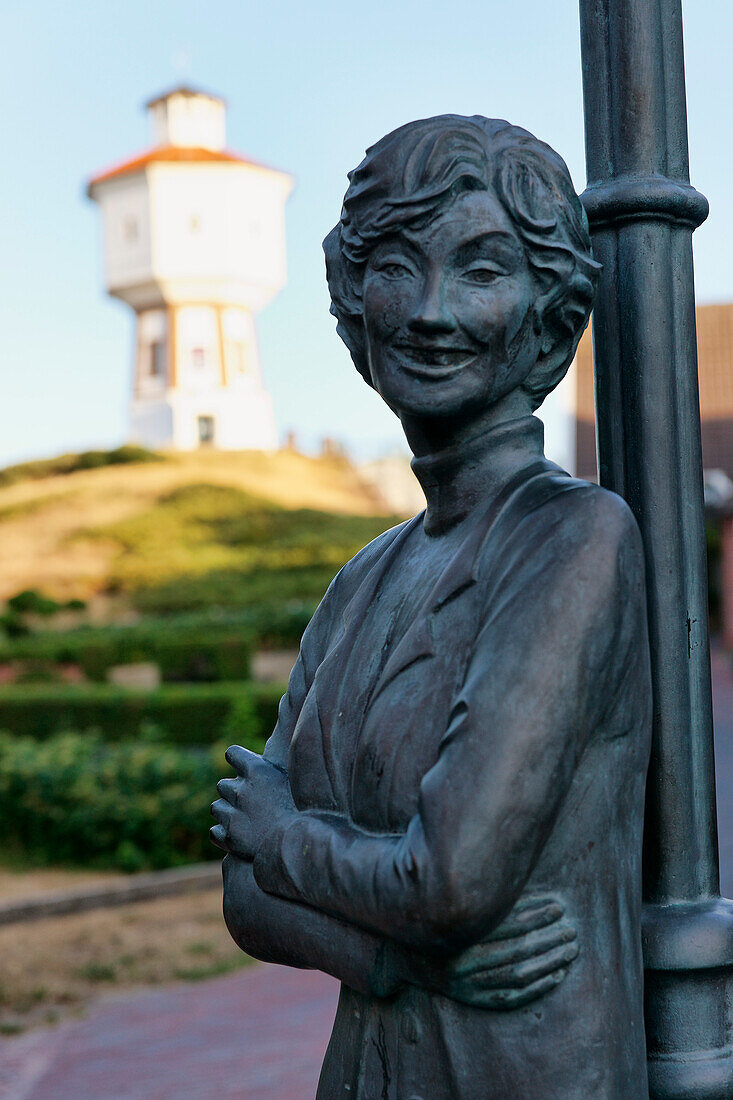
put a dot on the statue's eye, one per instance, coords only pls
(482, 275)
(394, 270)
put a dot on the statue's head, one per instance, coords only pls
(461, 268)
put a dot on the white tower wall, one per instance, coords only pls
(194, 242)
(127, 238)
(219, 232)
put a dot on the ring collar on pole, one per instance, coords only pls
(644, 197)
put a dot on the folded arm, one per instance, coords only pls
(528, 956)
(279, 931)
(536, 686)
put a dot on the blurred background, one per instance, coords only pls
(187, 456)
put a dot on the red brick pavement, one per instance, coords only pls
(259, 1034)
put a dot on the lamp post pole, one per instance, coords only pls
(642, 211)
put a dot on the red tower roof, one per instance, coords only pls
(174, 154)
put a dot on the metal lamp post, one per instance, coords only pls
(642, 212)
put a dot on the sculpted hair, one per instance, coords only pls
(438, 159)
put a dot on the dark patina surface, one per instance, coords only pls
(448, 816)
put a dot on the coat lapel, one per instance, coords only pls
(460, 573)
(418, 641)
(333, 688)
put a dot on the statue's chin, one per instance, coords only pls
(443, 403)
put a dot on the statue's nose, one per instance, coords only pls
(431, 315)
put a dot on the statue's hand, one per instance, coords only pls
(526, 956)
(258, 800)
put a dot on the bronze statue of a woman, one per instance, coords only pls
(448, 815)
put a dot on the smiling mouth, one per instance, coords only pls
(435, 355)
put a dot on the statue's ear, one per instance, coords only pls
(553, 349)
(548, 325)
(344, 284)
(559, 325)
(340, 274)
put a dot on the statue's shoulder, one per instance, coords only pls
(327, 615)
(597, 511)
(561, 513)
(350, 576)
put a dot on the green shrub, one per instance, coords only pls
(75, 800)
(70, 463)
(195, 653)
(180, 714)
(13, 627)
(31, 601)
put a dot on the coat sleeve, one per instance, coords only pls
(559, 633)
(278, 930)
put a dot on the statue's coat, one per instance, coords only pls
(460, 742)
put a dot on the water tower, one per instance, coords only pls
(194, 242)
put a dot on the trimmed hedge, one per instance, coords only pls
(194, 714)
(75, 800)
(184, 654)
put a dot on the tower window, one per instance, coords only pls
(194, 223)
(129, 230)
(198, 357)
(157, 359)
(206, 430)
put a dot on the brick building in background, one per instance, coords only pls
(715, 368)
(715, 359)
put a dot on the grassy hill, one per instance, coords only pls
(181, 532)
(190, 562)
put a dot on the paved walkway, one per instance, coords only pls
(257, 1035)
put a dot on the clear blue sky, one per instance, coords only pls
(309, 86)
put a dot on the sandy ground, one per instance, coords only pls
(33, 884)
(52, 969)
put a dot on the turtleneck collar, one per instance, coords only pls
(458, 478)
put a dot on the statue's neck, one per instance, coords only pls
(470, 473)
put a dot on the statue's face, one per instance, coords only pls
(448, 311)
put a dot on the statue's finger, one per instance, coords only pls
(506, 999)
(218, 835)
(240, 758)
(228, 789)
(222, 811)
(485, 957)
(527, 919)
(521, 974)
(532, 970)
(534, 901)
